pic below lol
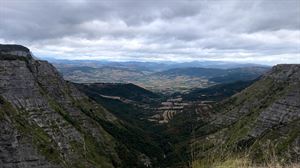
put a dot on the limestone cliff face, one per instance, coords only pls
(46, 122)
(265, 114)
(286, 108)
(277, 90)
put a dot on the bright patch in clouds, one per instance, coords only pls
(258, 31)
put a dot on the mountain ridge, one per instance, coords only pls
(47, 122)
(266, 111)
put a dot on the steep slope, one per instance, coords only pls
(47, 122)
(261, 123)
(133, 106)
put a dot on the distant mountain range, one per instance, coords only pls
(151, 66)
(157, 77)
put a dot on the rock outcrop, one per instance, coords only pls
(46, 122)
(14, 50)
(266, 111)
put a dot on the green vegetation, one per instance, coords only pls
(229, 145)
(133, 134)
(127, 91)
(217, 92)
(31, 133)
(137, 133)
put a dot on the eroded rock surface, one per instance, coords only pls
(46, 121)
(265, 116)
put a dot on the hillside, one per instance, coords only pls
(47, 122)
(136, 113)
(257, 126)
(122, 90)
(216, 75)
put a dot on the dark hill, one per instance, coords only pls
(216, 92)
(127, 91)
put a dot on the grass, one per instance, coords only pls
(230, 159)
(88, 153)
(242, 163)
(221, 146)
(33, 133)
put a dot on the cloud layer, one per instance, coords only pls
(260, 31)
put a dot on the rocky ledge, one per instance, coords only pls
(14, 50)
(266, 111)
(45, 121)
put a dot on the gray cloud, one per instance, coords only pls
(155, 29)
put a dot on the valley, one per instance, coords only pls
(160, 78)
(149, 84)
(90, 116)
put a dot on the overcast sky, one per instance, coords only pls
(260, 31)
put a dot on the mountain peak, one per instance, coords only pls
(15, 50)
(286, 66)
(285, 72)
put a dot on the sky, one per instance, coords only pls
(254, 31)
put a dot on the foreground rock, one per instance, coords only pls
(46, 122)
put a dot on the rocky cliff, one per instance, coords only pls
(15, 50)
(262, 122)
(46, 122)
